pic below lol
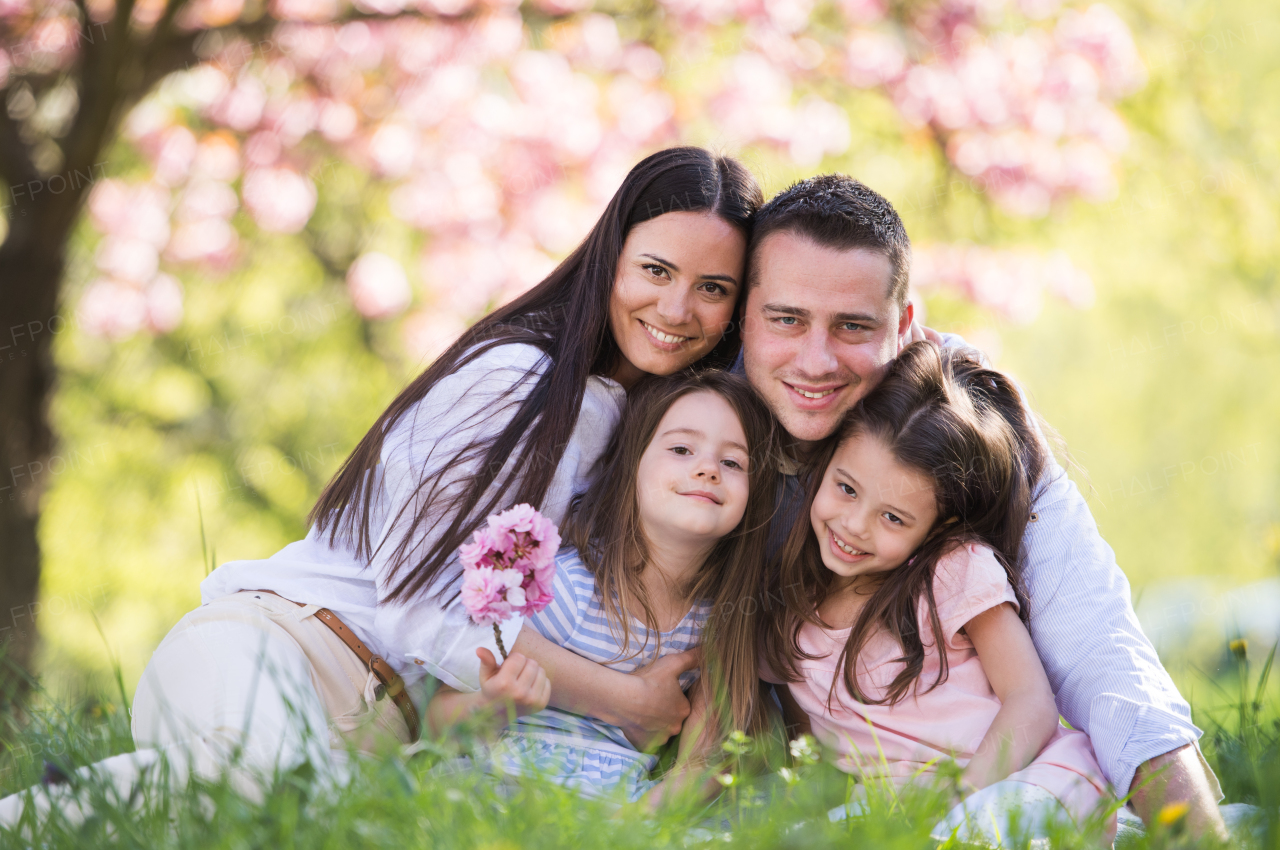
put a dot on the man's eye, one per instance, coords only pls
(786, 320)
(852, 326)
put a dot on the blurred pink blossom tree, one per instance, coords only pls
(499, 130)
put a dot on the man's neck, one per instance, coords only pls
(797, 454)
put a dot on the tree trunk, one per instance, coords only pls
(113, 72)
(31, 265)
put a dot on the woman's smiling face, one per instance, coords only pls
(677, 284)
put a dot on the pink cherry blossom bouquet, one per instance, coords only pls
(509, 567)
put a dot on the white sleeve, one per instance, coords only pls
(431, 631)
(1105, 674)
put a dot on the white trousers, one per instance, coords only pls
(986, 817)
(244, 687)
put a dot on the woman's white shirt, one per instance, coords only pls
(430, 634)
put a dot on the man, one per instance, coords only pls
(827, 309)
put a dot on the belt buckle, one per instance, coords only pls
(380, 689)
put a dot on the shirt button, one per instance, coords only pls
(418, 661)
(1035, 517)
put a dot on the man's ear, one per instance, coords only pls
(904, 326)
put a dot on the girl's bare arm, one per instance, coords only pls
(699, 740)
(1028, 715)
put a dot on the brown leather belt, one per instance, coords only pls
(390, 683)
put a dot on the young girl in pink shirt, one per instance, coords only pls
(903, 639)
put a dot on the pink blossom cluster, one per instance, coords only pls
(1026, 115)
(503, 152)
(509, 566)
(130, 292)
(1010, 282)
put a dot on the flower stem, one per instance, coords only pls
(497, 635)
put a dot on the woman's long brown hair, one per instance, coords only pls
(939, 411)
(605, 527)
(567, 317)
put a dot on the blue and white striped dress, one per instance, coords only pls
(582, 752)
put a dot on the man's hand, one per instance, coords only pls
(1179, 777)
(656, 707)
(518, 683)
(919, 332)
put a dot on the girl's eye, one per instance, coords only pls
(846, 489)
(892, 518)
(732, 464)
(681, 450)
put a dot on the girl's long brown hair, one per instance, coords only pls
(604, 526)
(939, 411)
(567, 317)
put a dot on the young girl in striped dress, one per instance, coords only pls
(671, 531)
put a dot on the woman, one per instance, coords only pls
(289, 658)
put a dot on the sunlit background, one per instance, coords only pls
(290, 228)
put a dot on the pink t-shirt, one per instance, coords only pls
(898, 742)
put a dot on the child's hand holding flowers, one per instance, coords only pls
(508, 568)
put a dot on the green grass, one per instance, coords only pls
(396, 800)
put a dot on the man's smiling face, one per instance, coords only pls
(818, 330)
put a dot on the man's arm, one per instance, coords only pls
(1179, 777)
(648, 705)
(1106, 677)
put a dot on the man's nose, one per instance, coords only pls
(815, 357)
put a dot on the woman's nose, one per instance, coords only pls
(673, 306)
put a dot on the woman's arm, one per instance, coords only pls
(519, 685)
(429, 444)
(1028, 716)
(648, 705)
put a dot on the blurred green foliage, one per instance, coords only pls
(1163, 391)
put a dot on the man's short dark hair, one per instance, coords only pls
(838, 212)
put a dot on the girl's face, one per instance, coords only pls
(692, 481)
(673, 298)
(870, 512)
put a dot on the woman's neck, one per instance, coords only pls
(625, 373)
